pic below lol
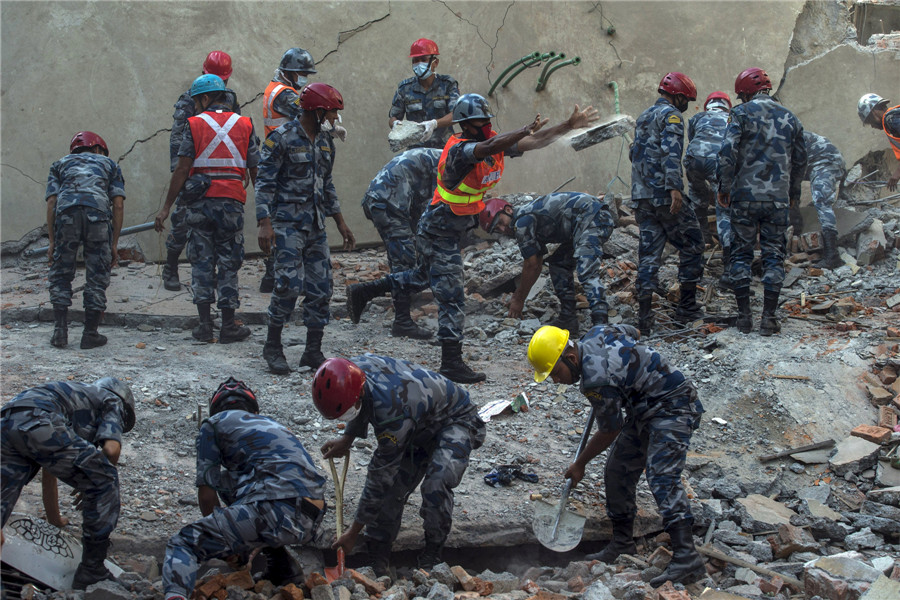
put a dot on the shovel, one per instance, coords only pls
(334, 573)
(555, 527)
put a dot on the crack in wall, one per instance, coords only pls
(343, 36)
(23, 173)
(487, 67)
(141, 141)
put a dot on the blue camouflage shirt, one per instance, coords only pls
(406, 184)
(763, 157)
(412, 102)
(248, 458)
(95, 414)
(553, 219)
(822, 155)
(656, 154)
(184, 109)
(407, 405)
(294, 180)
(85, 179)
(621, 374)
(706, 130)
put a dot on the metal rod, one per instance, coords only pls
(125, 231)
(564, 183)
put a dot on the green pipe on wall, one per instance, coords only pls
(532, 56)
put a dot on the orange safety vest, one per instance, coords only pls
(272, 120)
(894, 140)
(467, 197)
(221, 140)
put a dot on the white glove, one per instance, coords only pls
(430, 126)
(341, 132)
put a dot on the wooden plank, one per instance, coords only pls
(816, 446)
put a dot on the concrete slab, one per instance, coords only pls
(817, 509)
(854, 455)
(814, 457)
(883, 587)
(766, 511)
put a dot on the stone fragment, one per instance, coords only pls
(545, 595)
(877, 524)
(242, 579)
(817, 509)
(342, 593)
(315, 579)
(602, 132)
(502, 582)
(442, 574)
(854, 455)
(404, 134)
(888, 374)
(877, 509)
(890, 496)
(145, 566)
(882, 588)
(711, 594)
(660, 557)
(466, 595)
(291, 592)
(439, 591)
(597, 591)
(870, 244)
(372, 586)
(878, 395)
(746, 575)
(762, 514)
(790, 539)
(325, 592)
(876, 435)
(863, 539)
(106, 590)
(575, 584)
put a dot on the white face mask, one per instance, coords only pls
(422, 70)
(301, 82)
(351, 413)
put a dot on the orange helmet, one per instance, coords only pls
(423, 47)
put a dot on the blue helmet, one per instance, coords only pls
(206, 84)
(471, 106)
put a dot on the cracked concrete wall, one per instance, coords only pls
(117, 68)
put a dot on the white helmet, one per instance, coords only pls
(866, 104)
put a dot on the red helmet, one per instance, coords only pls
(718, 96)
(678, 84)
(423, 47)
(320, 95)
(492, 209)
(231, 391)
(87, 139)
(217, 63)
(336, 387)
(751, 81)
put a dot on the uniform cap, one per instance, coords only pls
(867, 104)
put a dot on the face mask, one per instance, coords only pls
(485, 132)
(422, 70)
(301, 82)
(351, 413)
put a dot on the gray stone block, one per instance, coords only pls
(106, 590)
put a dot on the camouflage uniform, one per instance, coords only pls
(413, 103)
(761, 165)
(294, 189)
(84, 185)
(184, 109)
(263, 473)
(661, 411)
(581, 224)
(216, 234)
(426, 427)
(655, 170)
(824, 170)
(397, 197)
(705, 133)
(58, 426)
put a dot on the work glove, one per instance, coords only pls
(341, 132)
(430, 126)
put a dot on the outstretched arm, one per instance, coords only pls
(577, 120)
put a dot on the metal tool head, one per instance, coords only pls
(568, 530)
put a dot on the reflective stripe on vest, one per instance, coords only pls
(221, 137)
(272, 119)
(466, 198)
(893, 139)
(221, 141)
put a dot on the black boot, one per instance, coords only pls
(312, 355)
(403, 325)
(769, 325)
(267, 283)
(688, 310)
(378, 556)
(645, 315)
(231, 331)
(359, 295)
(568, 317)
(89, 337)
(453, 367)
(203, 332)
(280, 568)
(273, 351)
(431, 555)
(622, 542)
(744, 321)
(60, 338)
(170, 272)
(725, 281)
(91, 569)
(830, 258)
(686, 563)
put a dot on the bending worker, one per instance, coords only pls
(874, 112)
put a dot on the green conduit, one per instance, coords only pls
(625, 139)
(572, 61)
(615, 89)
(530, 63)
(532, 56)
(540, 85)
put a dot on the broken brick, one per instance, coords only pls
(667, 591)
(209, 587)
(888, 375)
(886, 417)
(545, 595)
(291, 592)
(242, 579)
(315, 579)
(660, 558)
(878, 395)
(771, 588)
(876, 435)
(576, 584)
(892, 332)
(790, 539)
(530, 587)
(372, 587)
(466, 596)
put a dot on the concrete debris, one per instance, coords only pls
(854, 455)
(871, 244)
(404, 134)
(607, 130)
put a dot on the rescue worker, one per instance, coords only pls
(659, 206)
(394, 202)
(661, 411)
(761, 165)
(218, 152)
(427, 97)
(85, 207)
(216, 63)
(426, 428)
(272, 492)
(471, 164)
(874, 112)
(705, 133)
(294, 195)
(580, 224)
(73, 431)
(825, 171)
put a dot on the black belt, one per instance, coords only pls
(311, 510)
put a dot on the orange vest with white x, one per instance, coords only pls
(893, 139)
(467, 198)
(221, 140)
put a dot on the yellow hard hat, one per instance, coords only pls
(545, 348)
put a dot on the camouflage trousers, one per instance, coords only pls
(824, 186)
(701, 176)
(235, 529)
(659, 226)
(32, 439)
(302, 266)
(659, 445)
(178, 232)
(215, 249)
(439, 465)
(81, 225)
(768, 220)
(584, 255)
(397, 234)
(723, 226)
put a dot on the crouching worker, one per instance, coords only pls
(619, 373)
(272, 492)
(74, 431)
(426, 427)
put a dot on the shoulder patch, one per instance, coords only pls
(269, 143)
(673, 119)
(390, 437)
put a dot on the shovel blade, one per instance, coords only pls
(335, 573)
(567, 533)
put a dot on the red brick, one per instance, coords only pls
(886, 417)
(888, 375)
(771, 588)
(790, 539)
(242, 579)
(291, 592)
(877, 435)
(667, 591)
(315, 579)
(372, 587)
(817, 582)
